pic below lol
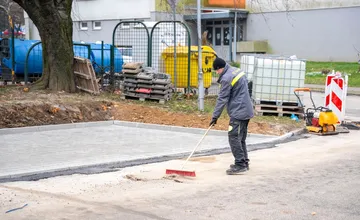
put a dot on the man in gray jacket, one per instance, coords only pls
(234, 94)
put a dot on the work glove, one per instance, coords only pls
(213, 121)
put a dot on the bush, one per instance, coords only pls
(235, 64)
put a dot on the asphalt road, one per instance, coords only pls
(312, 178)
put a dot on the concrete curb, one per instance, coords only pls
(293, 135)
(115, 166)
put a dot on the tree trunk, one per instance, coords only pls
(53, 20)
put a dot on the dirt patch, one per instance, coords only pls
(174, 178)
(210, 159)
(134, 178)
(19, 109)
(155, 115)
(32, 114)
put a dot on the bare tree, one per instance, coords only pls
(16, 13)
(54, 22)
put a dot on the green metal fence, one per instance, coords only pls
(170, 51)
(7, 47)
(31, 62)
(34, 54)
(82, 50)
(155, 45)
(101, 67)
(131, 39)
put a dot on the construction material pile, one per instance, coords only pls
(145, 83)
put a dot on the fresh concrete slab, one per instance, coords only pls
(45, 151)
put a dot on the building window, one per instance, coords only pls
(217, 36)
(239, 33)
(226, 36)
(83, 26)
(97, 25)
(210, 36)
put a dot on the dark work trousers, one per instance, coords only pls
(237, 139)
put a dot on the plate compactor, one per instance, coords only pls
(319, 120)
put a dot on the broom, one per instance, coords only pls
(183, 172)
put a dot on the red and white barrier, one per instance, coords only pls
(335, 94)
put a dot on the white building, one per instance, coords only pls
(321, 30)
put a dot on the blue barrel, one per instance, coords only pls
(21, 48)
(35, 56)
(96, 50)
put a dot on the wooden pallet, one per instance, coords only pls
(85, 77)
(127, 88)
(276, 103)
(280, 109)
(279, 114)
(143, 98)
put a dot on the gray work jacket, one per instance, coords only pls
(234, 93)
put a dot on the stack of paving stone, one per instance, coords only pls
(145, 83)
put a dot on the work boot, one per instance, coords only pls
(247, 166)
(236, 170)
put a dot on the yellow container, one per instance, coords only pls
(208, 56)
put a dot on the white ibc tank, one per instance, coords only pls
(247, 64)
(275, 78)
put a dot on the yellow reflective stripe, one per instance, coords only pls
(237, 78)
(236, 71)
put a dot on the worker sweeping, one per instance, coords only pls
(234, 94)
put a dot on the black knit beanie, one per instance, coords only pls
(219, 63)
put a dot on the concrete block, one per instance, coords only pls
(252, 47)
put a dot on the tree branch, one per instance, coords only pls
(357, 50)
(6, 6)
(260, 8)
(21, 2)
(5, 9)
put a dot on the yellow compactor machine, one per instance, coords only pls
(319, 120)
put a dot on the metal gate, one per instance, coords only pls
(131, 41)
(7, 36)
(172, 55)
(33, 65)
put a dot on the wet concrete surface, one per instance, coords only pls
(39, 152)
